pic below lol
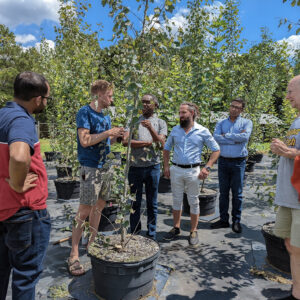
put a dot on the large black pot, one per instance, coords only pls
(164, 185)
(52, 155)
(250, 166)
(277, 254)
(108, 218)
(257, 157)
(207, 204)
(67, 188)
(63, 171)
(123, 281)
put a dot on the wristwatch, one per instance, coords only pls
(208, 168)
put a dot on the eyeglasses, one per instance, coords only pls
(48, 98)
(236, 107)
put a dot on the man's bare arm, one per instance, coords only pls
(87, 139)
(280, 148)
(19, 161)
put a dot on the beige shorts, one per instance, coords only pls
(287, 224)
(94, 184)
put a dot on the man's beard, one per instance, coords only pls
(185, 123)
(39, 109)
(148, 112)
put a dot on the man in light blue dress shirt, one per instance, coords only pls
(187, 140)
(232, 134)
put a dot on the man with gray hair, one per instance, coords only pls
(287, 198)
(187, 139)
(148, 139)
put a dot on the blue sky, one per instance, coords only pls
(30, 19)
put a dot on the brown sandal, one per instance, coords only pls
(75, 268)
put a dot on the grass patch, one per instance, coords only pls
(261, 147)
(45, 145)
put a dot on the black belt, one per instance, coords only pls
(186, 166)
(233, 158)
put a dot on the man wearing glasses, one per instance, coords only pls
(232, 134)
(24, 220)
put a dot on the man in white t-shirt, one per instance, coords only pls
(287, 224)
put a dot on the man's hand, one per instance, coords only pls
(203, 174)
(116, 132)
(146, 123)
(167, 172)
(28, 183)
(278, 147)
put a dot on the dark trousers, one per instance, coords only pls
(231, 176)
(149, 176)
(24, 239)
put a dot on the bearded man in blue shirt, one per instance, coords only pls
(232, 134)
(187, 139)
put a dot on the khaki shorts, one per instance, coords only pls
(288, 224)
(94, 184)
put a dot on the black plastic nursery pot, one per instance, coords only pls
(250, 166)
(63, 171)
(123, 281)
(277, 255)
(257, 157)
(164, 185)
(52, 155)
(67, 188)
(108, 218)
(207, 202)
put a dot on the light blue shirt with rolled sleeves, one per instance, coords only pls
(233, 137)
(188, 146)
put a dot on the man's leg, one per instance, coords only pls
(151, 186)
(224, 175)
(82, 214)
(27, 237)
(135, 179)
(192, 184)
(94, 219)
(5, 267)
(177, 186)
(295, 267)
(238, 171)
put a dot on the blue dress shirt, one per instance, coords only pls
(234, 142)
(188, 146)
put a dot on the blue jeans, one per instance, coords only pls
(24, 239)
(137, 176)
(231, 176)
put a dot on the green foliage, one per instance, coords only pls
(291, 24)
(13, 60)
(70, 70)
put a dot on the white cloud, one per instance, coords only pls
(179, 20)
(293, 43)
(50, 43)
(37, 46)
(25, 38)
(15, 12)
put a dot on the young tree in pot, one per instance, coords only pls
(128, 261)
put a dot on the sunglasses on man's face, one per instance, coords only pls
(48, 98)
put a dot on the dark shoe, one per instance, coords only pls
(172, 234)
(152, 237)
(219, 224)
(236, 227)
(193, 239)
